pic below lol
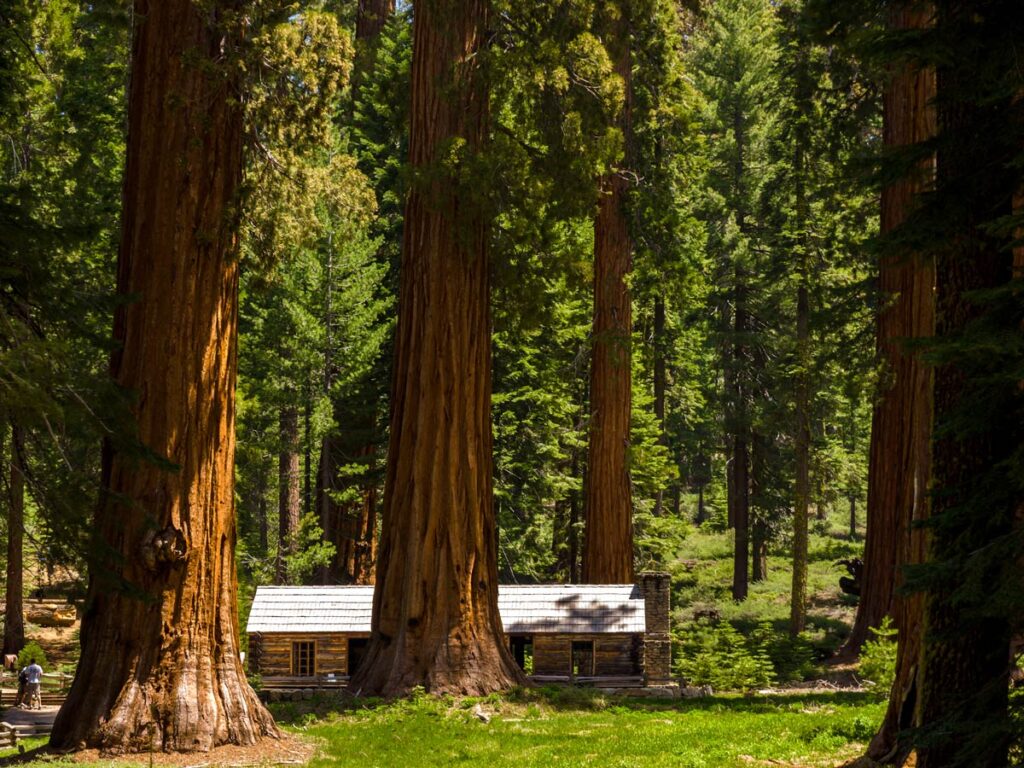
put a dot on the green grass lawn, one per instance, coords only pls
(549, 728)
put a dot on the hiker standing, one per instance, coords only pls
(34, 677)
(22, 682)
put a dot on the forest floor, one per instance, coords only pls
(555, 728)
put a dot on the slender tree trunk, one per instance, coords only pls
(659, 384)
(608, 538)
(160, 667)
(853, 517)
(739, 475)
(435, 608)
(802, 387)
(14, 616)
(759, 570)
(899, 464)
(261, 510)
(307, 459)
(289, 503)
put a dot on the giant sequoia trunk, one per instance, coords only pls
(899, 455)
(964, 675)
(160, 666)
(14, 616)
(608, 536)
(435, 608)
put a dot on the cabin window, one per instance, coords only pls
(304, 658)
(582, 658)
(522, 651)
(356, 653)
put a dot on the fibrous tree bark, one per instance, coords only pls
(965, 649)
(899, 463)
(608, 536)
(435, 610)
(289, 506)
(160, 667)
(14, 616)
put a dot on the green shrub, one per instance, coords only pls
(29, 652)
(716, 654)
(878, 659)
(791, 657)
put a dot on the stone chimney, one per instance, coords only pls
(656, 590)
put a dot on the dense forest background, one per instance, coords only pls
(715, 283)
(746, 140)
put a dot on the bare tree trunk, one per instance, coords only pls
(608, 537)
(261, 510)
(802, 386)
(14, 616)
(964, 678)
(739, 468)
(899, 466)
(435, 608)
(289, 503)
(160, 667)
(759, 570)
(659, 384)
(371, 17)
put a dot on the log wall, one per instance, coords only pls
(270, 654)
(613, 654)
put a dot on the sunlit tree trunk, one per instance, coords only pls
(608, 536)
(160, 667)
(14, 616)
(899, 470)
(435, 609)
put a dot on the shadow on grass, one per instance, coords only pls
(561, 699)
(32, 755)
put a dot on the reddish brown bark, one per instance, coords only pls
(159, 666)
(900, 455)
(371, 17)
(964, 678)
(608, 537)
(435, 612)
(14, 616)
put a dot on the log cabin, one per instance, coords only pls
(599, 634)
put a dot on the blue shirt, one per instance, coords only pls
(34, 673)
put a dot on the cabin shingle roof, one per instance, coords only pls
(525, 609)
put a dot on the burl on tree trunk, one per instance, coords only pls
(435, 608)
(608, 536)
(160, 668)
